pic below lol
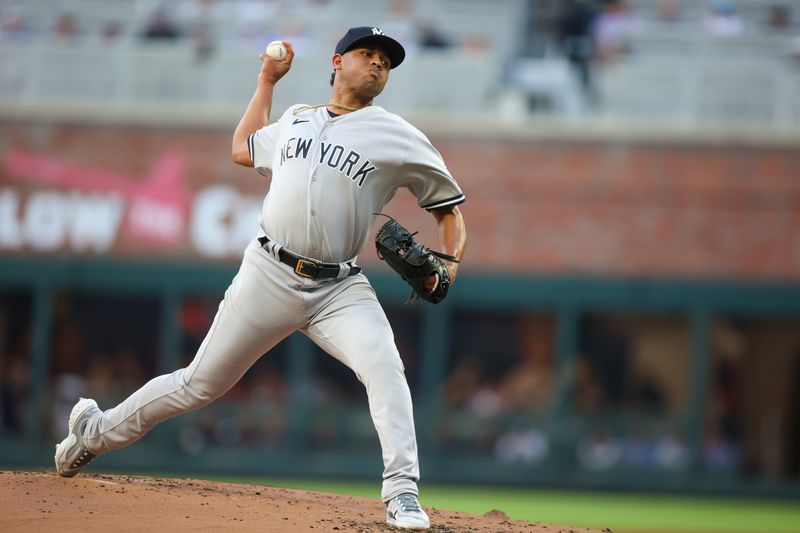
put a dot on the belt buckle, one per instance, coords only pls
(298, 268)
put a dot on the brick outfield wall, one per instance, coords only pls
(544, 207)
(633, 209)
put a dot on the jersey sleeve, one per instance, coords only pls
(261, 146)
(427, 176)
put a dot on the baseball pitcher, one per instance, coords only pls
(332, 167)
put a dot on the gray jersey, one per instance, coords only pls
(330, 174)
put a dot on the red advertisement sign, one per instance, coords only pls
(50, 204)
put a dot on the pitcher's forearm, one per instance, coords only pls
(255, 117)
(452, 235)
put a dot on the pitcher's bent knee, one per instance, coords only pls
(198, 392)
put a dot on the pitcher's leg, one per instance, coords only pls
(354, 329)
(236, 339)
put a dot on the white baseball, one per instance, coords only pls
(276, 50)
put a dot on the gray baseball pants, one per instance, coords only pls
(266, 302)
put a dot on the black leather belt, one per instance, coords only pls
(309, 268)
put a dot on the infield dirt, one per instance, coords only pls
(42, 501)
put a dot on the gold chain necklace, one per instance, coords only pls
(338, 106)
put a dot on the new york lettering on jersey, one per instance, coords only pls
(333, 155)
(367, 147)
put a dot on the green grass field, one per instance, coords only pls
(620, 512)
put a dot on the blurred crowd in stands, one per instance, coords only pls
(597, 33)
(577, 40)
(606, 29)
(602, 29)
(501, 396)
(208, 24)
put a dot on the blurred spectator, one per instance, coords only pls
(589, 394)
(69, 347)
(160, 26)
(722, 20)
(129, 371)
(429, 36)
(599, 451)
(15, 26)
(486, 401)
(67, 388)
(724, 435)
(526, 445)
(462, 381)
(66, 28)
(726, 399)
(575, 37)
(637, 449)
(268, 388)
(614, 29)
(479, 43)
(779, 18)
(671, 453)
(474, 389)
(100, 379)
(645, 394)
(604, 365)
(721, 453)
(196, 315)
(14, 383)
(191, 438)
(111, 31)
(669, 12)
(200, 18)
(528, 387)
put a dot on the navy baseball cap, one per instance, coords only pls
(365, 34)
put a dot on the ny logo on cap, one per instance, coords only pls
(377, 31)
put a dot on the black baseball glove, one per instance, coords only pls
(414, 262)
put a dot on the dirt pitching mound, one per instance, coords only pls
(42, 501)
